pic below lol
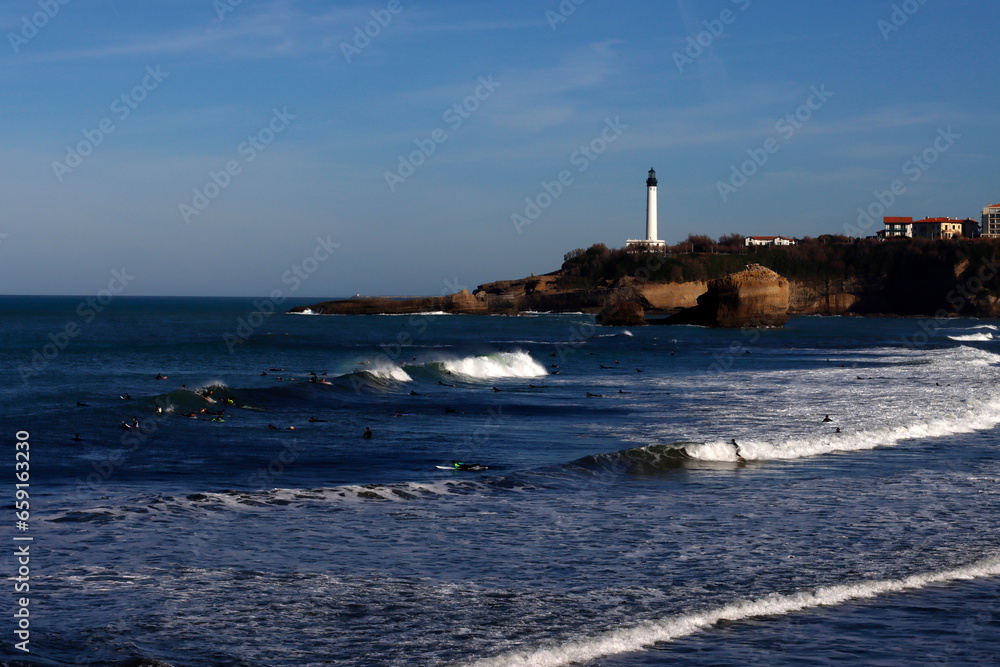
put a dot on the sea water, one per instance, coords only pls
(616, 524)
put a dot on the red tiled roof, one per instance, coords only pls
(888, 220)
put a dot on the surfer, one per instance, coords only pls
(827, 419)
(445, 384)
(450, 411)
(739, 455)
(838, 430)
(314, 420)
(638, 370)
(272, 426)
(77, 438)
(126, 397)
(218, 418)
(160, 376)
(125, 427)
(458, 465)
(414, 393)
(595, 395)
(622, 391)
(263, 372)
(81, 405)
(605, 367)
(367, 434)
(495, 389)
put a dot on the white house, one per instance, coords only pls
(768, 240)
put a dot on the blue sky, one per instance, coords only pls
(311, 121)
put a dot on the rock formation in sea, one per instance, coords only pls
(755, 297)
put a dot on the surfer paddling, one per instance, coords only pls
(458, 465)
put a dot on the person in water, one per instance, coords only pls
(77, 438)
(827, 419)
(739, 455)
(367, 434)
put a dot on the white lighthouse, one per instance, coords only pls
(650, 243)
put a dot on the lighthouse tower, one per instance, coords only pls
(650, 243)
(651, 206)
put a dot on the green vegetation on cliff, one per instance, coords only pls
(829, 258)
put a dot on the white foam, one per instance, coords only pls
(985, 326)
(634, 639)
(428, 312)
(307, 311)
(978, 417)
(973, 337)
(516, 364)
(389, 372)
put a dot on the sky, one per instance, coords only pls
(407, 147)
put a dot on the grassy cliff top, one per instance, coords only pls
(822, 259)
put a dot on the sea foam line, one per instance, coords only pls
(628, 640)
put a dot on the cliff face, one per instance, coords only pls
(756, 297)
(826, 297)
(738, 297)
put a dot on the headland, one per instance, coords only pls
(825, 276)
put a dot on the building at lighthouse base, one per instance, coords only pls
(645, 245)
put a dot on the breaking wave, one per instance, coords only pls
(976, 337)
(673, 627)
(498, 365)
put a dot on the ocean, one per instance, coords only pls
(614, 524)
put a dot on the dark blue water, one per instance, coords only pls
(615, 524)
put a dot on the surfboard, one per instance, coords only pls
(472, 468)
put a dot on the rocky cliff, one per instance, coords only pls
(755, 297)
(936, 286)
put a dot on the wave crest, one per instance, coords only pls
(518, 364)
